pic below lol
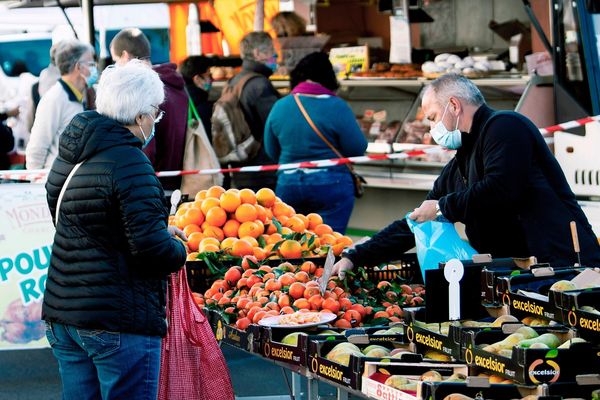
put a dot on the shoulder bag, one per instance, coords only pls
(358, 180)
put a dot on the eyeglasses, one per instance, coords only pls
(89, 64)
(159, 116)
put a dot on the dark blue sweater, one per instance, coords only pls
(289, 138)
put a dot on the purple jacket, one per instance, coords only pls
(166, 150)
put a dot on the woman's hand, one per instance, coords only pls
(176, 232)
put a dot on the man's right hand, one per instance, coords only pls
(340, 267)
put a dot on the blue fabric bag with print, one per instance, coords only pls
(438, 241)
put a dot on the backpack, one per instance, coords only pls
(231, 136)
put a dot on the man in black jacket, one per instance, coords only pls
(504, 184)
(257, 98)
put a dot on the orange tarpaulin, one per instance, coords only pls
(234, 18)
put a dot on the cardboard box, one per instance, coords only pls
(575, 315)
(531, 366)
(248, 340)
(344, 375)
(375, 374)
(476, 388)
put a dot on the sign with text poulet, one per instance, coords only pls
(26, 235)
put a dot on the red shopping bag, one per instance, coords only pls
(192, 366)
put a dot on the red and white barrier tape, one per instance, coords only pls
(40, 174)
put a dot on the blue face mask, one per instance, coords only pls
(93, 78)
(148, 139)
(449, 139)
(207, 86)
(272, 63)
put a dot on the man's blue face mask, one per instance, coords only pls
(449, 139)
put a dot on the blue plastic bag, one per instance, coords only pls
(437, 241)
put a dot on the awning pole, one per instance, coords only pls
(87, 9)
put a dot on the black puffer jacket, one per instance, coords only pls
(112, 251)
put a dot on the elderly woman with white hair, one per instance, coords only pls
(104, 303)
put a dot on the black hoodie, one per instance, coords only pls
(112, 251)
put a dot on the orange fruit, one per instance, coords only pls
(209, 203)
(216, 216)
(242, 248)
(261, 213)
(191, 228)
(295, 224)
(287, 310)
(214, 231)
(193, 216)
(193, 256)
(311, 291)
(201, 195)
(316, 301)
(381, 314)
(209, 240)
(328, 239)
(274, 238)
(250, 240)
(194, 240)
(345, 303)
(302, 304)
(338, 248)
(215, 191)
(286, 231)
(287, 279)
(265, 197)
(296, 290)
(230, 201)
(249, 228)
(314, 219)
(342, 323)
(247, 196)
(280, 209)
(272, 285)
(243, 323)
(322, 229)
(284, 300)
(331, 304)
(246, 212)
(230, 229)
(302, 277)
(261, 226)
(227, 243)
(233, 275)
(353, 317)
(290, 249)
(209, 248)
(260, 253)
(309, 267)
(360, 308)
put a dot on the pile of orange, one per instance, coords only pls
(251, 292)
(242, 222)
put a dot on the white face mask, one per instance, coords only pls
(148, 139)
(449, 139)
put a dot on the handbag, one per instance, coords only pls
(198, 154)
(358, 180)
(192, 366)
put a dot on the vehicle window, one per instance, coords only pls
(33, 55)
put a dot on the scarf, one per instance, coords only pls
(312, 88)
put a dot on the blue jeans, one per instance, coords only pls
(97, 364)
(330, 193)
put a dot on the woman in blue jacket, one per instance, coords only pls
(289, 138)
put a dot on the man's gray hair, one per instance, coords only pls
(128, 91)
(255, 40)
(68, 53)
(455, 85)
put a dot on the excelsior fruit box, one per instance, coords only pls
(530, 294)
(291, 347)
(581, 311)
(248, 339)
(476, 388)
(552, 356)
(343, 362)
(403, 380)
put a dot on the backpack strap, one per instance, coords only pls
(63, 190)
(239, 86)
(318, 132)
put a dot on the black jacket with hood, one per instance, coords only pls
(112, 251)
(510, 192)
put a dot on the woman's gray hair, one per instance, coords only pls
(128, 91)
(255, 40)
(455, 85)
(68, 53)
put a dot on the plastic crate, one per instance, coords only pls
(409, 270)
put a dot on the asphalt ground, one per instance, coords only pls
(33, 375)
